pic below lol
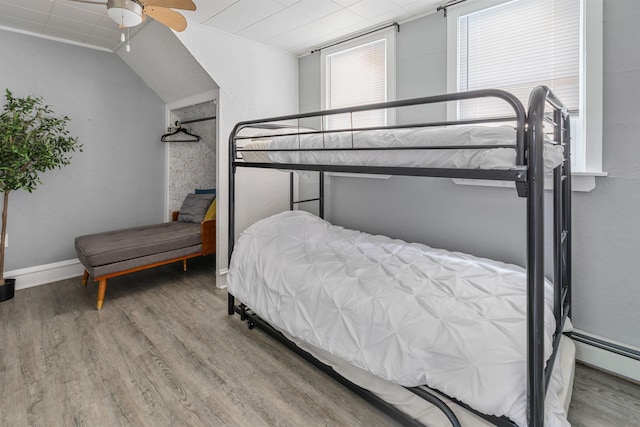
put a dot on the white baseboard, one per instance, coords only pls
(48, 273)
(42, 274)
(610, 361)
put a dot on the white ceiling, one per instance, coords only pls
(297, 26)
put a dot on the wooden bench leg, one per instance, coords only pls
(184, 264)
(102, 288)
(85, 278)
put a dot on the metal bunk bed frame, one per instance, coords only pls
(529, 180)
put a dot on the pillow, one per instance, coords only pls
(205, 191)
(194, 207)
(211, 212)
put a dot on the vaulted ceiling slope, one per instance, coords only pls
(296, 26)
(165, 64)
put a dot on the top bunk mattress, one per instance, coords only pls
(337, 147)
(405, 312)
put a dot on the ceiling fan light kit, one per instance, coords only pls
(126, 13)
(129, 13)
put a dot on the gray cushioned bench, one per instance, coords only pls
(114, 253)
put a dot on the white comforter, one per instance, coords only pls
(407, 313)
(491, 158)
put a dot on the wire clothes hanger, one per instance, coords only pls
(179, 130)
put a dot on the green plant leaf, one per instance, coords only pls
(32, 141)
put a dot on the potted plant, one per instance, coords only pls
(32, 141)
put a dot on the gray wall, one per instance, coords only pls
(490, 221)
(607, 220)
(118, 181)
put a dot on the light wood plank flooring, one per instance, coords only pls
(163, 352)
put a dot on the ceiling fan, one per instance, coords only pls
(129, 13)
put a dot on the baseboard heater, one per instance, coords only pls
(606, 345)
(608, 355)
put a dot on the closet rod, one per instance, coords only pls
(197, 120)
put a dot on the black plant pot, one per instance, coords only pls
(8, 290)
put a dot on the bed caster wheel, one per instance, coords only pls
(252, 325)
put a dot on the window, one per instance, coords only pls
(356, 73)
(519, 44)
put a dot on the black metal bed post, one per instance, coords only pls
(321, 194)
(558, 223)
(566, 190)
(562, 215)
(535, 260)
(561, 224)
(232, 208)
(291, 191)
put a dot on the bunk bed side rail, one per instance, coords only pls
(456, 96)
(518, 109)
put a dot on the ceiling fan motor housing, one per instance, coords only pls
(126, 13)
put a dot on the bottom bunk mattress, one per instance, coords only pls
(404, 312)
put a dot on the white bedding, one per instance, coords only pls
(493, 158)
(406, 313)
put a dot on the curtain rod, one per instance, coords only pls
(449, 4)
(394, 24)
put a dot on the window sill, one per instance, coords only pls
(583, 182)
(580, 181)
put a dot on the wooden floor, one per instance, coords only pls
(163, 352)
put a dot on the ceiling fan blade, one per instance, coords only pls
(168, 17)
(173, 4)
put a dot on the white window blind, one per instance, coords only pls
(357, 76)
(516, 46)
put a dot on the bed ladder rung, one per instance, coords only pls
(305, 201)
